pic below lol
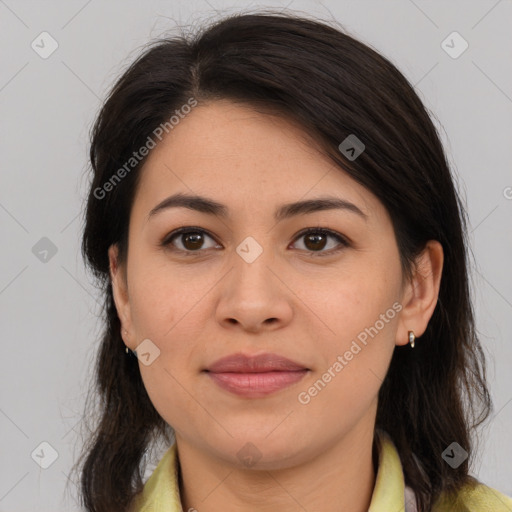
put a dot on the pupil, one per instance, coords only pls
(316, 239)
(194, 239)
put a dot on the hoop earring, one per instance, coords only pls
(411, 339)
(130, 351)
(127, 350)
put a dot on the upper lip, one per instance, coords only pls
(241, 363)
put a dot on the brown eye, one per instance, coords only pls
(316, 240)
(187, 239)
(192, 241)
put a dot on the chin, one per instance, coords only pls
(257, 451)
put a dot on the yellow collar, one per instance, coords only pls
(161, 491)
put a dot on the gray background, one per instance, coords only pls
(48, 308)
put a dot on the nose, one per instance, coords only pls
(253, 297)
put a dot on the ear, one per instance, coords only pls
(120, 292)
(421, 294)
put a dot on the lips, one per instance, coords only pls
(240, 363)
(255, 376)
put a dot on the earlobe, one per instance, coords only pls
(119, 290)
(421, 294)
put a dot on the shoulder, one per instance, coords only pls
(475, 497)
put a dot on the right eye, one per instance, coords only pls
(191, 239)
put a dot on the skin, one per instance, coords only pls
(212, 303)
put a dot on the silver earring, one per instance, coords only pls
(127, 350)
(411, 338)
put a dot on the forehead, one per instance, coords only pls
(240, 157)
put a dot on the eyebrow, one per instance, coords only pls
(285, 211)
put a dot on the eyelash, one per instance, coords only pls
(167, 241)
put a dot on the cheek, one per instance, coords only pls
(164, 307)
(160, 314)
(160, 298)
(172, 396)
(361, 313)
(355, 301)
(352, 362)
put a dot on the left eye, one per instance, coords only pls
(192, 240)
(316, 240)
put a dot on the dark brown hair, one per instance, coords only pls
(333, 86)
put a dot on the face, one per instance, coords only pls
(247, 282)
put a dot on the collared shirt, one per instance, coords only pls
(390, 494)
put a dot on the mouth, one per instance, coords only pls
(255, 376)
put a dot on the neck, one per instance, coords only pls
(344, 473)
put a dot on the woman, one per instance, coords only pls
(283, 257)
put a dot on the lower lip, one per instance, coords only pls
(256, 385)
